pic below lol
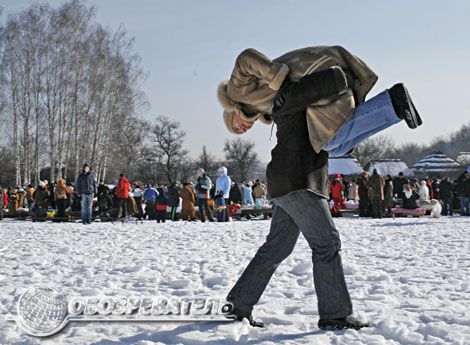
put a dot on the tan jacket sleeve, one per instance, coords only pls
(253, 68)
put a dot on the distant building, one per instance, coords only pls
(390, 167)
(435, 164)
(463, 158)
(346, 165)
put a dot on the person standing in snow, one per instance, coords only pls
(388, 195)
(173, 200)
(203, 187)
(86, 189)
(248, 194)
(29, 196)
(376, 193)
(60, 197)
(187, 204)
(446, 194)
(463, 189)
(121, 192)
(2, 195)
(161, 204)
(353, 191)
(337, 189)
(363, 189)
(423, 192)
(222, 187)
(259, 193)
(150, 194)
(398, 185)
(137, 193)
(316, 97)
(220, 207)
(235, 194)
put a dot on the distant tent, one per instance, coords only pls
(463, 158)
(346, 165)
(436, 163)
(390, 167)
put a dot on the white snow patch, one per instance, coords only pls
(409, 277)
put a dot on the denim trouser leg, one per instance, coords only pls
(279, 244)
(87, 204)
(308, 213)
(368, 118)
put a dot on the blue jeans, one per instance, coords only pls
(464, 206)
(87, 206)
(298, 212)
(368, 119)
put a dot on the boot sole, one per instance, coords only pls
(412, 118)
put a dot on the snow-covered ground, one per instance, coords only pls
(410, 277)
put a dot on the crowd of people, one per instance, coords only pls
(173, 201)
(376, 195)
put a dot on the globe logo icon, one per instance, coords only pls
(42, 311)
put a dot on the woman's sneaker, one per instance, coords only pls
(342, 323)
(403, 105)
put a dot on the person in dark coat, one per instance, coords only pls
(388, 195)
(102, 188)
(410, 201)
(86, 189)
(463, 189)
(105, 201)
(297, 175)
(376, 184)
(363, 189)
(41, 201)
(235, 195)
(398, 184)
(161, 203)
(173, 200)
(446, 193)
(203, 189)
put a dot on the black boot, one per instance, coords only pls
(403, 105)
(232, 312)
(342, 323)
(295, 96)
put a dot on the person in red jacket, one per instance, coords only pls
(431, 189)
(5, 198)
(2, 202)
(337, 193)
(122, 194)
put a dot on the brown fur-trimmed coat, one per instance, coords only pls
(256, 79)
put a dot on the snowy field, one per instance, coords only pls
(410, 277)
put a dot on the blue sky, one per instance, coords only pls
(188, 47)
